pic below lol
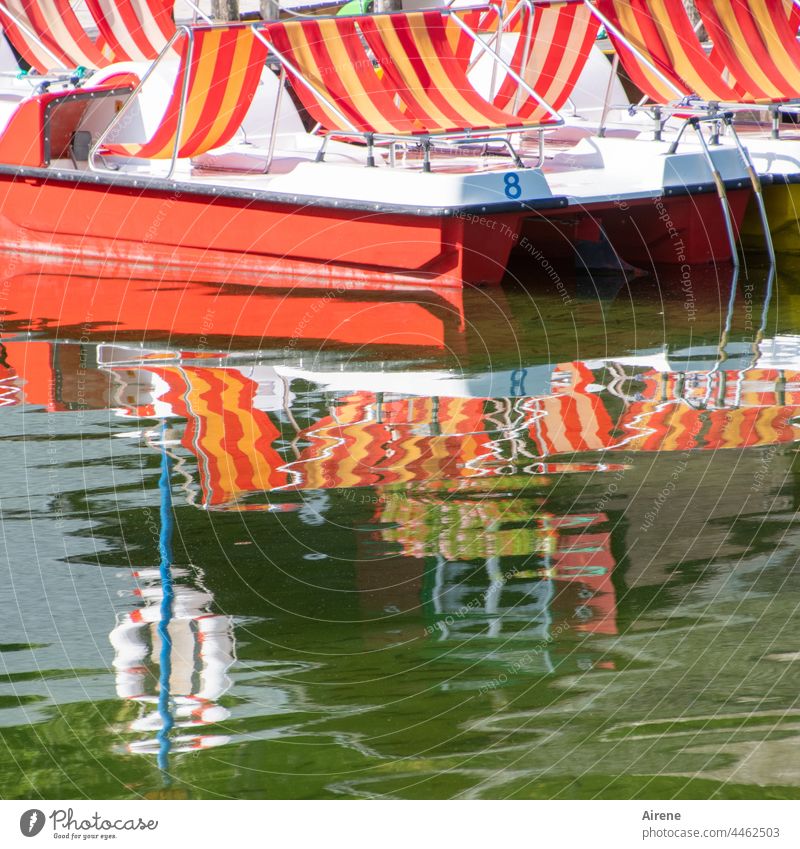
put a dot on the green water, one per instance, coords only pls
(549, 553)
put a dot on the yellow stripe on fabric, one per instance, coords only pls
(407, 72)
(234, 84)
(307, 65)
(683, 66)
(348, 74)
(774, 44)
(439, 79)
(442, 81)
(199, 88)
(738, 42)
(630, 28)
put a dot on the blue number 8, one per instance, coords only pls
(513, 188)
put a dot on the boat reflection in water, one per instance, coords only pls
(200, 649)
(487, 537)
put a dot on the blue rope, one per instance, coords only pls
(167, 599)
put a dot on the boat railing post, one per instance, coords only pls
(607, 100)
(776, 122)
(370, 150)
(721, 191)
(184, 98)
(320, 157)
(132, 97)
(275, 119)
(755, 181)
(657, 125)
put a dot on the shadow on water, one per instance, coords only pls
(501, 544)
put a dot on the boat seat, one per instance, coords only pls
(49, 36)
(218, 72)
(420, 91)
(755, 58)
(550, 45)
(133, 30)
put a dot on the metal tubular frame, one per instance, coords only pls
(756, 184)
(607, 100)
(188, 33)
(722, 193)
(275, 118)
(712, 112)
(463, 136)
(512, 73)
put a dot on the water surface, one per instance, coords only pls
(537, 543)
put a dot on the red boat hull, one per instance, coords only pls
(226, 238)
(277, 244)
(678, 229)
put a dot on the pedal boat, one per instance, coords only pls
(200, 162)
(745, 87)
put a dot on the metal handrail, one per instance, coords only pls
(503, 64)
(184, 30)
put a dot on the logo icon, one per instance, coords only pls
(31, 822)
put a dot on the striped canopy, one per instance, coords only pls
(661, 31)
(755, 58)
(421, 87)
(64, 42)
(223, 65)
(133, 29)
(561, 38)
(757, 41)
(48, 35)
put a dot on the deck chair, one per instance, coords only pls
(552, 48)
(133, 30)
(661, 53)
(420, 91)
(659, 49)
(757, 41)
(218, 73)
(48, 35)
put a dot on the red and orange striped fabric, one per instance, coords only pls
(55, 24)
(231, 438)
(133, 29)
(757, 42)
(662, 32)
(478, 20)
(428, 79)
(224, 65)
(792, 11)
(354, 449)
(423, 88)
(561, 38)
